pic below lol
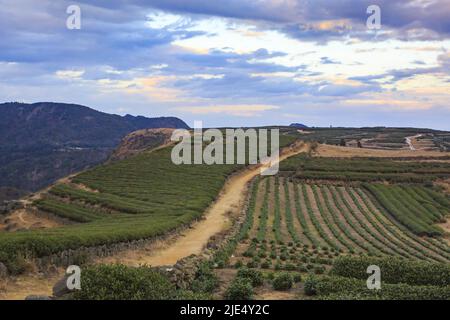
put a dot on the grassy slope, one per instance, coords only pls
(141, 197)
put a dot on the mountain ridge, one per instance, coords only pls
(44, 141)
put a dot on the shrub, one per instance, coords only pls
(395, 270)
(297, 277)
(256, 277)
(240, 289)
(302, 268)
(344, 288)
(310, 287)
(18, 265)
(282, 281)
(319, 270)
(118, 282)
(278, 266)
(205, 280)
(290, 267)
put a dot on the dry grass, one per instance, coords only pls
(346, 152)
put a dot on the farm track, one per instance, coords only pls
(194, 239)
(191, 241)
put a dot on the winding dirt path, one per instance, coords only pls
(191, 241)
(216, 219)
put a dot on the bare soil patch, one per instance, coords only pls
(338, 151)
(24, 219)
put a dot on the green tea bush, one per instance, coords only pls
(254, 276)
(394, 270)
(339, 286)
(283, 281)
(118, 282)
(310, 287)
(240, 289)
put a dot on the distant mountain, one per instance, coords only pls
(299, 126)
(42, 142)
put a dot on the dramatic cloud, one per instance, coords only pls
(233, 62)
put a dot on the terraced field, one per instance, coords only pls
(298, 222)
(308, 225)
(142, 197)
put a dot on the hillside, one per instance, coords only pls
(319, 209)
(42, 142)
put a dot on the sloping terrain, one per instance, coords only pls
(42, 142)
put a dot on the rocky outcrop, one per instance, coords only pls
(141, 140)
(10, 205)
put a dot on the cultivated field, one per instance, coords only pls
(142, 197)
(319, 211)
(304, 233)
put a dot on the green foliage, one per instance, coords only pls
(394, 270)
(288, 214)
(142, 197)
(256, 277)
(240, 289)
(401, 205)
(347, 288)
(364, 169)
(310, 287)
(297, 277)
(264, 213)
(282, 281)
(118, 282)
(205, 279)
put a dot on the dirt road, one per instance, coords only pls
(191, 241)
(194, 239)
(409, 141)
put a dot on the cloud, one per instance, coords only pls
(233, 58)
(327, 60)
(324, 19)
(234, 110)
(70, 74)
(393, 76)
(391, 104)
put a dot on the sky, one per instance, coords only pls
(234, 62)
